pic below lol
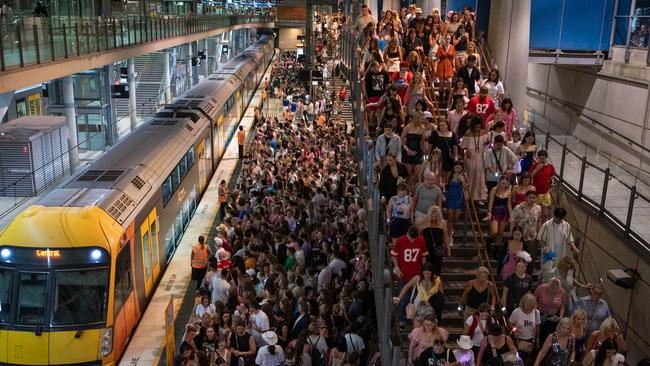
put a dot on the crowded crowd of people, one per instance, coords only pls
(286, 279)
(432, 161)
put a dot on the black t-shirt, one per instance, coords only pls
(203, 344)
(429, 358)
(377, 83)
(517, 288)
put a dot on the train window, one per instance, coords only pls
(123, 285)
(6, 281)
(182, 166)
(32, 296)
(176, 179)
(178, 226)
(169, 243)
(81, 296)
(167, 190)
(146, 247)
(190, 158)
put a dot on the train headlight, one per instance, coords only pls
(95, 254)
(5, 253)
(106, 342)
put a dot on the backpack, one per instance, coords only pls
(317, 357)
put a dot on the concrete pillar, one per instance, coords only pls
(508, 39)
(372, 5)
(218, 52)
(428, 6)
(167, 80)
(71, 121)
(133, 117)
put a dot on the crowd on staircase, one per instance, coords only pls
(449, 147)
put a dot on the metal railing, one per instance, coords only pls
(43, 41)
(389, 344)
(614, 188)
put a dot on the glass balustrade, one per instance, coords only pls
(38, 40)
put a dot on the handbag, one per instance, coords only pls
(410, 308)
(525, 346)
(438, 250)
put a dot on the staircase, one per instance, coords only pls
(456, 271)
(150, 72)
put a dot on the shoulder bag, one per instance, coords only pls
(410, 308)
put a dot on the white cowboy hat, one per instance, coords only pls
(464, 342)
(270, 337)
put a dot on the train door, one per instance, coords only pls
(124, 299)
(150, 255)
(200, 152)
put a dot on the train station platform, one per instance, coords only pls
(147, 345)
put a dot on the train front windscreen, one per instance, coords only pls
(54, 288)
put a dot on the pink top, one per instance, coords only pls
(453, 118)
(510, 119)
(547, 302)
(417, 338)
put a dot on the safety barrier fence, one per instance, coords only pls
(44, 41)
(614, 188)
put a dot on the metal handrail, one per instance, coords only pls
(623, 224)
(576, 109)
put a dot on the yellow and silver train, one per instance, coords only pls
(78, 269)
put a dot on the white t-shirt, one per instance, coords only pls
(525, 323)
(219, 289)
(478, 335)
(264, 358)
(354, 343)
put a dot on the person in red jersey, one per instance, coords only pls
(408, 254)
(481, 105)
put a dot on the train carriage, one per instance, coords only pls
(77, 270)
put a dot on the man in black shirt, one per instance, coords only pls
(470, 74)
(376, 83)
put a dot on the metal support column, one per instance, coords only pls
(71, 121)
(194, 51)
(167, 80)
(231, 45)
(205, 63)
(309, 39)
(133, 117)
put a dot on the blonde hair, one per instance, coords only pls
(433, 209)
(578, 311)
(528, 299)
(565, 263)
(563, 322)
(555, 283)
(482, 269)
(609, 325)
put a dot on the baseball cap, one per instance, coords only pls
(484, 90)
(418, 11)
(427, 114)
